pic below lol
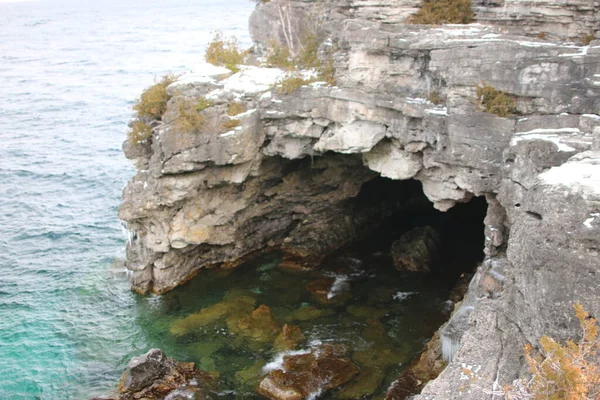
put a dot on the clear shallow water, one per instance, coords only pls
(381, 316)
(69, 72)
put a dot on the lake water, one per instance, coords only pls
(69, 72)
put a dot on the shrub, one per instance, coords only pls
(563, 372)
(327, 71)
(279, 56)
(188, 117)
(434, 97)
(435, 12)
(494, 101)
(291, 83)
(307, 58)
(153, 101)
(235, 108)
(139, 132)
(230, 124)
(225, 52)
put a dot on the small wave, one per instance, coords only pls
(403, 295)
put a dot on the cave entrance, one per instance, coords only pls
(242, 323)
(406, 208)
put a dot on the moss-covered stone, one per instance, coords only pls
(289, 338)
(308, 313)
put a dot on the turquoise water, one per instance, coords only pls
(69, 72)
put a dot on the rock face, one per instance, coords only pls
(155, 376)
(417, 250)
(290, 176)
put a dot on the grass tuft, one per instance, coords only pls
(203, 104)
(437, 12)
(225, 52)
(188, 117)
(230, 124)
(495, 101)
(563, 372)
(235, 108)
(291, 83)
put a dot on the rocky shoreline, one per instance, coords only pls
(289, 177)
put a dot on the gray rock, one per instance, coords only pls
(142, 371)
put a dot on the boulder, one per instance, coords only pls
(142, 371)
(417, 250)
(303, 375)
(154, 376)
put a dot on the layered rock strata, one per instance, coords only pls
(291, 175)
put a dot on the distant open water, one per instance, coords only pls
(69, 72)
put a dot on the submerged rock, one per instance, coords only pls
(417, 250)
(308, 313)
(258, 328)
(289, 338)
(302, 375)
(235, 304)
(330, 291)
(154, 376)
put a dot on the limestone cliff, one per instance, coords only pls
(290, 175)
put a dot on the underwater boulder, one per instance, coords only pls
(308, 313)
(303, 375)
(417, 250)
(258, 327)
(234, 304)
(330, 291)
(289, 338)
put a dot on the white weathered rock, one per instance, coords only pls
(392, 162)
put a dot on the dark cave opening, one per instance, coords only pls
(461, 229)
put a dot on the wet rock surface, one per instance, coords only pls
(154, 376)
(304, 375)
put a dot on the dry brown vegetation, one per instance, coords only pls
(563, 372)
(225, 52)
(437, 12)
(291, 83)
(140, 131)
(495, 101)
(235, 108)
(188, 117)
(587, 39)
(279, 56)
(230, 124)
(151, 106)
(153, 101)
